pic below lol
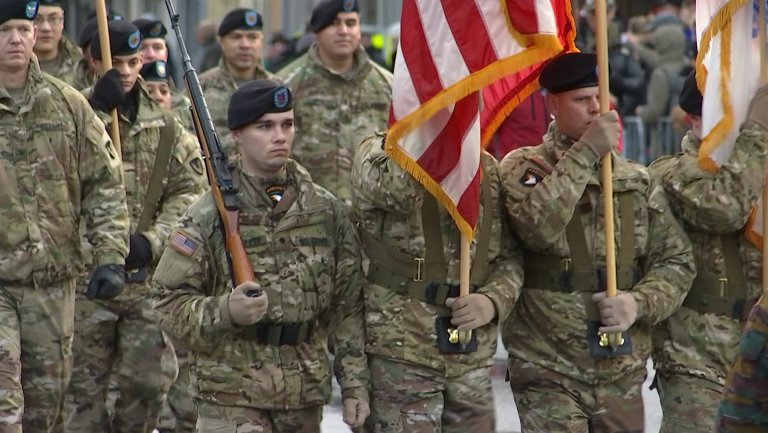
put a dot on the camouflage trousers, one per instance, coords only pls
(416, 399)
(179, 414)
(234, 419)
(124, 336)
(551, 402)
(36, 327)
(689, 403)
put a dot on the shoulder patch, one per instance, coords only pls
(183, 244)
(531, 177)
(541, 164)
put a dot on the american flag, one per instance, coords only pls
(183, 244)
(449, 50)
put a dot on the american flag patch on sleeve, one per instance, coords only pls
(183, 244)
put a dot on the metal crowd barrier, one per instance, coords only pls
(637, 137)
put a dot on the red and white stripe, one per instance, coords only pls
(443, 42)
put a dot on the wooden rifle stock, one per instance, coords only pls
(222, 186)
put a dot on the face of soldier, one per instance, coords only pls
(574, 110)
(160, 92)
(266, 144)
(695, 122)
(340, 40)
(154, 49)
(50, 25)
(242, 48)
(17, 38)
(129, 67)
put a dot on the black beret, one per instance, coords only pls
(57, 3)
(91, 27)
(110, 14)
(690, 97)
(156, 71)
(324, 13)
(151, 29)
(17, 10)
(240, 19)
(124, 40)
(254, 99)
(569, 72)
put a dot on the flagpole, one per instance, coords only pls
(106, 65)
(464, 336)
(763, 41)
(601, 15)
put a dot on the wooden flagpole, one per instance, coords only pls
(601, 15)
(464, 336)
(106, 65)
(763, 41)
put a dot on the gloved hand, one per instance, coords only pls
(758, 107)
(140, 254)
(617, 313)
(602, 135)
(247, 304)
(107, 282)
(108, 92)
(355, 412)
(471, 311)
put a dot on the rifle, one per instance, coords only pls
(222, 186)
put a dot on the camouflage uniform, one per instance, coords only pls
(58, 168)
(742, 409)
(415, 386)
(84, 77)
(66, 61)
(218, 86)
(334, 112)
(180, 105)
(306, 257)
(550, 359)
(693, 349)
(124, 332)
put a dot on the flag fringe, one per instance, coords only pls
(470, 84)
(521, 40)
(718, 134)
(718, 22)
(749, 231)
(432, 187)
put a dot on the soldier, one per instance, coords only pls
(57, 53)
(58, 169)
(241, 38)
(85, 75)
(562, 377)
(693, 349)
(420, 381)
(154, 47)
(341, 97)
(178, 414)
(124, 333)
(742, 409)
(259, 363)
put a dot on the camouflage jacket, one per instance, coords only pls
(180, 105)
(334, 113)
(306, 258)
(185, 181)
(84, 77)
(218, 87)
(745, 395)
(67, 60)
(388, 201)
(58, 168)
(709, 205)
(550, 327)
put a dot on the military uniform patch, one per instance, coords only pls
(155, 31)
(183, 244)
(275, 193)
(251, 19)
(531, 177)
(161, 70)
(197, 165)
(134, 40)
(31, 9)
(349, 5)
(281, 97)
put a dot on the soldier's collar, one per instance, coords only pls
(555, 142)
(690, 144)
(360, 64)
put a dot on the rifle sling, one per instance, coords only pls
(159, 172)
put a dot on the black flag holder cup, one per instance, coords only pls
(600, 346)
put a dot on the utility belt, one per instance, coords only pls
(556, 274)
(723, 295)
(424, 278)
(279, 334)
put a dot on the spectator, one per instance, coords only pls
(282, 51)
(211, 50)
(393, 40)
(665, 22)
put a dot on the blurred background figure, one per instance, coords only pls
(209, 51)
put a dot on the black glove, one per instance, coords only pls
(107, 282)
(140, 254)
(108, 92)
